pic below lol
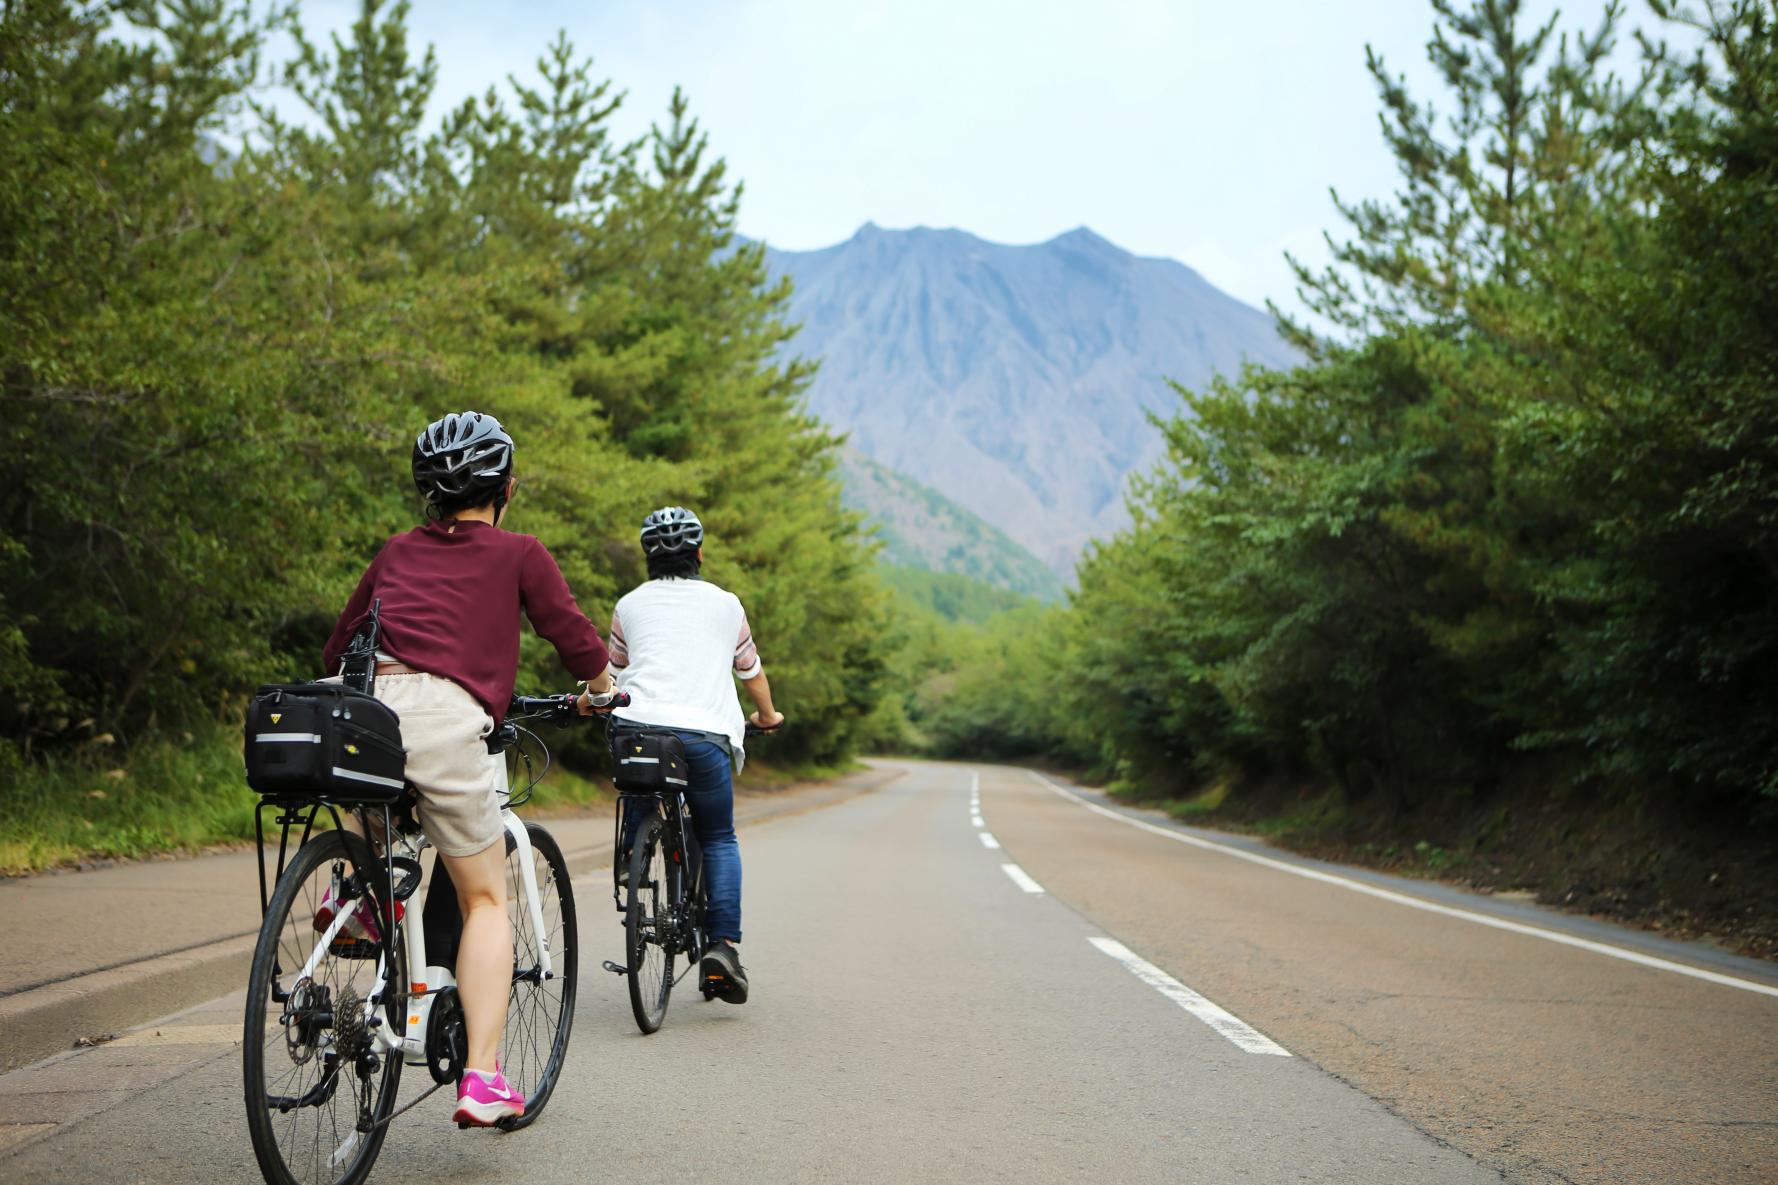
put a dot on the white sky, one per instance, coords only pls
(1205, 131)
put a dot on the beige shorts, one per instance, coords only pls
(445, 731)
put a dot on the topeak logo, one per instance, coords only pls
(277, 716)
(350, 748)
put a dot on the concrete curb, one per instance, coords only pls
(47, 1020)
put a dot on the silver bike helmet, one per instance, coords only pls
(671, 529)
(462, 460)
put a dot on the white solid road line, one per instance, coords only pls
(1450, 911)
(1021, 878)
(988, 840)
(1212, 1014)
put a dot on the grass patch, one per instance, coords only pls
(169, 797)
(1206, 803)
(564, 791)
(1318, 814)
(98, 803)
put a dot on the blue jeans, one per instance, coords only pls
(711, 796)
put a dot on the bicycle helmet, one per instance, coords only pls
(671, 529)
(463, 460)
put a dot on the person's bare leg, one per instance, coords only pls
(484, 956)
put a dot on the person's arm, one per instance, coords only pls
(752, 674)
(620, 649)
(354, 613)
(554, 615)
(764, 715)
(607, 683)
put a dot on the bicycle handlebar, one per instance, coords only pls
(562, 707)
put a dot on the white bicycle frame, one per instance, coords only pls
(423, 991)
(426, 989)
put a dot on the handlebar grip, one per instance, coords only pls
(563, 705)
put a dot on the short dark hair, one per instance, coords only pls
(674, 565)
(446, 507)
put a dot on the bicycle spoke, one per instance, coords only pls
(537, 1025)
(305, 1092)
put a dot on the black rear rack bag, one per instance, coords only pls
(646, 761)
(323, 740)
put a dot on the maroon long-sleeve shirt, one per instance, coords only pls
(451, 596)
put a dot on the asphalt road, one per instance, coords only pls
(1116, 1005)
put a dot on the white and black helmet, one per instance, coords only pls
(671, 529)
(462, 460)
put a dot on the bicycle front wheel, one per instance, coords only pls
(319, 1085)
(541, 1011)
(648, 925)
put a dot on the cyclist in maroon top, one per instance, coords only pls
(450, 595)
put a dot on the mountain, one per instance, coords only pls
(1014, 380)
(921, 528)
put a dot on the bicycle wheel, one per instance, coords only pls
(648, 925)
(541, 1011)
(315, 1077)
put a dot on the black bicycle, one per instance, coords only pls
(661, 891)
(345, 988)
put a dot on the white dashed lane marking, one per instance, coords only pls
(1217, 1017)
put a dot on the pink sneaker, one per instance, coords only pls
(483, 1101)
(361, 926)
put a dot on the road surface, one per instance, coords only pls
(977, 974)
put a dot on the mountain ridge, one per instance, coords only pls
(1015, 380)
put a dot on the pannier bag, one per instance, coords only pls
(647, 762)
(325, 741)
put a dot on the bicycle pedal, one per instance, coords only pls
(615, 968)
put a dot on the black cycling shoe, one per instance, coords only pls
(721, 974)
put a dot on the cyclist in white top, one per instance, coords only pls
(678, 643)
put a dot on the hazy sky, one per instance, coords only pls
(1208, 132)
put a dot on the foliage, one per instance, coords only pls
(1524, 496)
(953, 597)
(212, 362)
(921, 528)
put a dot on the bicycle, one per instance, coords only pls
(663, 897)
(329, 1006)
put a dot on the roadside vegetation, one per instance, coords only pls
(1506, 546)
(221, 331)
(1487, 588)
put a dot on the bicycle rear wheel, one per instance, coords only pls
(315, 1076)
(540, 1014)
(648, 925)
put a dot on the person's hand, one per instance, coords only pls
(588, 704)
(774, 721)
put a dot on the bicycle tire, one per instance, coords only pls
(289, 1030)
(648, 926)
(539, 1016)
